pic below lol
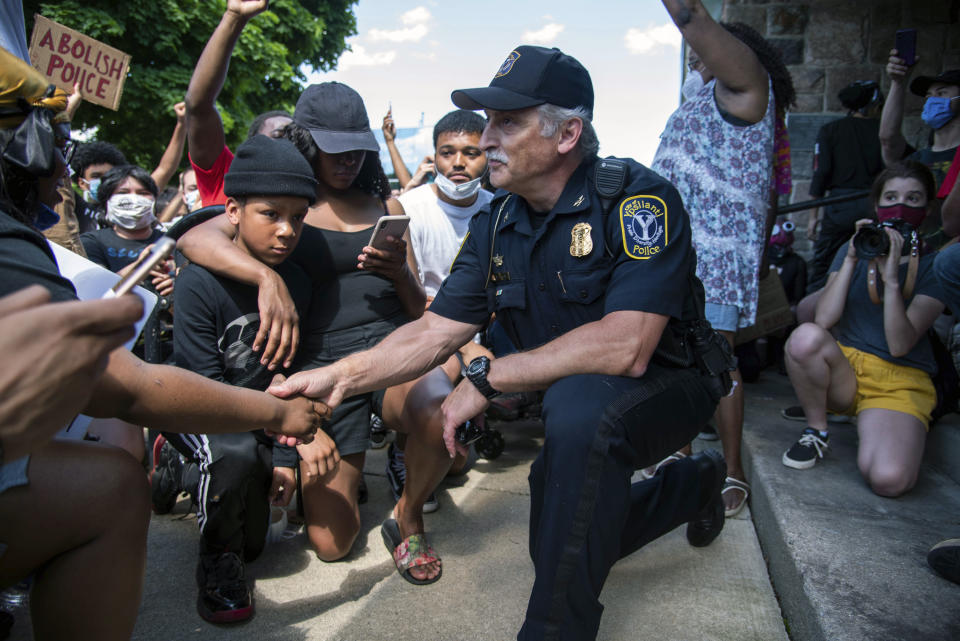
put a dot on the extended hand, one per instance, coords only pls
(180, 111)
(302, 418)
(315, 383)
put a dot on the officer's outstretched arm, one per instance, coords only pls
(619, 344)
(407, 353)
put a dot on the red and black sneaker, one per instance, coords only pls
(166, 476)
(223, 593)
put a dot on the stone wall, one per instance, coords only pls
(830, 43)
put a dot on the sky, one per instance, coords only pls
(411, 54)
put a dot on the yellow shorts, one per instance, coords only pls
(888, 386)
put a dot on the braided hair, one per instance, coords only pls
(784, 95)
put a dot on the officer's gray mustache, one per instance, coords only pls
(496, 155)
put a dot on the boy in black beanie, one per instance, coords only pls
(270, 186)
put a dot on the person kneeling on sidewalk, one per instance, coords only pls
(270, 185)
(880, 366)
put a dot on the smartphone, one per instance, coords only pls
(906, 46)
(388, 226)
(143, 266)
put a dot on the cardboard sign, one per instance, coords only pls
(773, 310)
(67, 57)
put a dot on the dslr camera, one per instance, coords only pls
(871, 240)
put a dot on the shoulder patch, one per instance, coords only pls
(643, 221)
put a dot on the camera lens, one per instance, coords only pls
(788, 226)
(870, 242)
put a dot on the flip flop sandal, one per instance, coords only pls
(735, 485)
(409, 552)
(650, 472)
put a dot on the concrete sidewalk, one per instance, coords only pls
(667, 591)
(847, 564)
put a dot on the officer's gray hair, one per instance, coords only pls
(552, 116)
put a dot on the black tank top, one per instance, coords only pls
(343, 296)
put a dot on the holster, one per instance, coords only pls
(697, 344)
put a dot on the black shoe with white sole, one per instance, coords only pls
(811, 447)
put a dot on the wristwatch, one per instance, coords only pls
(477, 372)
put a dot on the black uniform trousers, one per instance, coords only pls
(585, 514)
(233, 508)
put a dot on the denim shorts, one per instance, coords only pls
(722, 317)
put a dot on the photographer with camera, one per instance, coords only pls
(882, 297)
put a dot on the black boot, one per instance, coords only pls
(706, 526)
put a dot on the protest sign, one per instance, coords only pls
(67, 57)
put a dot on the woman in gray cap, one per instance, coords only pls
(360, 294)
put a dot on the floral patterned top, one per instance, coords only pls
(724, 175)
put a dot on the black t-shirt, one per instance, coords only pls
(107, 249)
(26, 259)
(937, 161)
(847, 155)
(217, 320)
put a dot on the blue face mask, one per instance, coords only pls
(91, 195)
(937, 111)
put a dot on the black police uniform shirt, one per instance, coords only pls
(579, 264)
(107, 249)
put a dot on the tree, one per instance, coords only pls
(164, 39)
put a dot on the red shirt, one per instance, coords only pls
(951, 176)
(210, 181)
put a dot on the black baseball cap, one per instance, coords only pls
(921, 84)
(336, 118)
(532, 76)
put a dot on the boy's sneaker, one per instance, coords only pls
(165, 479)
(796, 413)
(223, 593)
(397, 476)
(805, 452)
(378, 433)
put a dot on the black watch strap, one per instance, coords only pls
(477, 374)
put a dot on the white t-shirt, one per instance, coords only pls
(437, 229)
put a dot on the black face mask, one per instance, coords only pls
(31, 145)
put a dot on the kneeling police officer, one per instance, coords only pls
(588, 265)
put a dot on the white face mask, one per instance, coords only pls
(191, 198)
(692, 85)
(455, 191)
(131, 211)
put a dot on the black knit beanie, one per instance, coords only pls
(267, 166)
